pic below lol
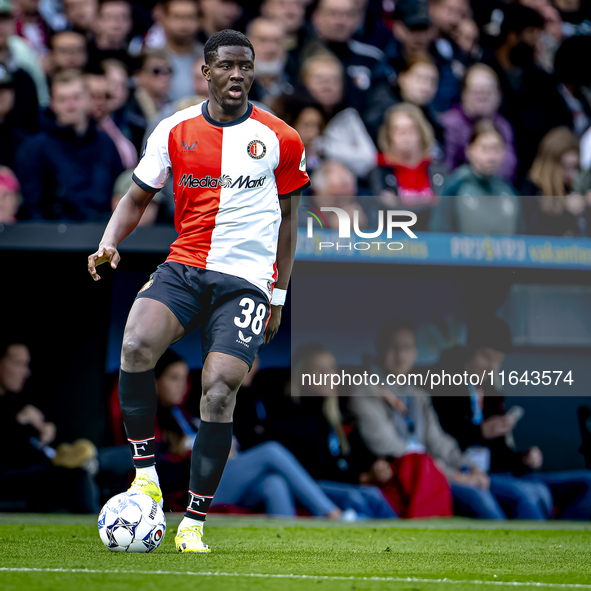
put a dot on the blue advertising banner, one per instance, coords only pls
(447, 249)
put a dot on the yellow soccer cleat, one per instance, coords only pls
(142, 484)
(188, 539)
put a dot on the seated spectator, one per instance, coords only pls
(307, 118)
(466, 37)
(417, 85)
(22, 62)
(291, 14)
(398, 424)
(67, 171)
(530, 100)
(217, 15)
(67, 51)
(266, 474)
(99, 88)
(30, 25)
(180, 23)
(10, 196)
(573, 81)
(81, 15)
(112, 28)
(481, 98)
(404, 178)
(12, 134)
(345, 137)
(68, 470)
(476, 417)
(267, 37)
(118, 82)
(122, 185)
(475, 198)
(446, 16)
(550, 206)
(151, 94)
(334, 185)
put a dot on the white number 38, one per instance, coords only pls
(246, 318)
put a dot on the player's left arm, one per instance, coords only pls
(286, 247)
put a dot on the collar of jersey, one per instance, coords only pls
(225, 123)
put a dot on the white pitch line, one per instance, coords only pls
(303, 577)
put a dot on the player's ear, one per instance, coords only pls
(205, 71)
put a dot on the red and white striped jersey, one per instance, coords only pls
(228, 179)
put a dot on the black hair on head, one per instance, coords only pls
(168, 358)
(225, 38)
(387, 329)
(489, 332)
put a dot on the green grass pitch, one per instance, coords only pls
(65, 553)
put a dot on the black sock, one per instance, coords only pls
(210, 454)
(137, 394)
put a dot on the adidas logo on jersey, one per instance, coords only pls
(191, 182)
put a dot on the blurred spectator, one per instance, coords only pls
(476, 417)
(30, 25)
(417, 85)
(26, 432)
(67, 51)
(267, 37)
(345, 137)
(411, 30)
(334, 185)
(291, 14)
(365, 68)
(573, 79)
(19, 57)
(155, 38)
(12, 132)
(112, 28)
(404, 177)
(530, 100)
(217, 15)
(10, 196)
(122, 185)
(81, 15)
(180, 25)
(99, 88)
(67, 171)
(400, 426)
(481, 99)
(118, 81)
(307, 118)
(151, 94)
(446, 16)
(466, 37)
(475, 198)
(550, 205)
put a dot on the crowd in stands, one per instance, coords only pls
(303, 447)
(476, 114)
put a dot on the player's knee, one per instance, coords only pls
(136, 354)
(219, 400)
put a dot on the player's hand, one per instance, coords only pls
(104, 254)
(533, 458)
(495, 426)
(273, 324)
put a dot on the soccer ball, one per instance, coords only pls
(131, 522)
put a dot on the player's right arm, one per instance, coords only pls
(124, 220)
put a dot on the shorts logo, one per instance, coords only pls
(256, 149)
(146, 286)
(243, 338)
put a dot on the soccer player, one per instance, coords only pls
(238, 173)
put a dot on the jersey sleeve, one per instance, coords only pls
(290, 174)
(154, 166)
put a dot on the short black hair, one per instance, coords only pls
(518, 18)
(225, 38)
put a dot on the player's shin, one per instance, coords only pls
(210, 454)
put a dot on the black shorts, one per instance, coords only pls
(231, 311)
